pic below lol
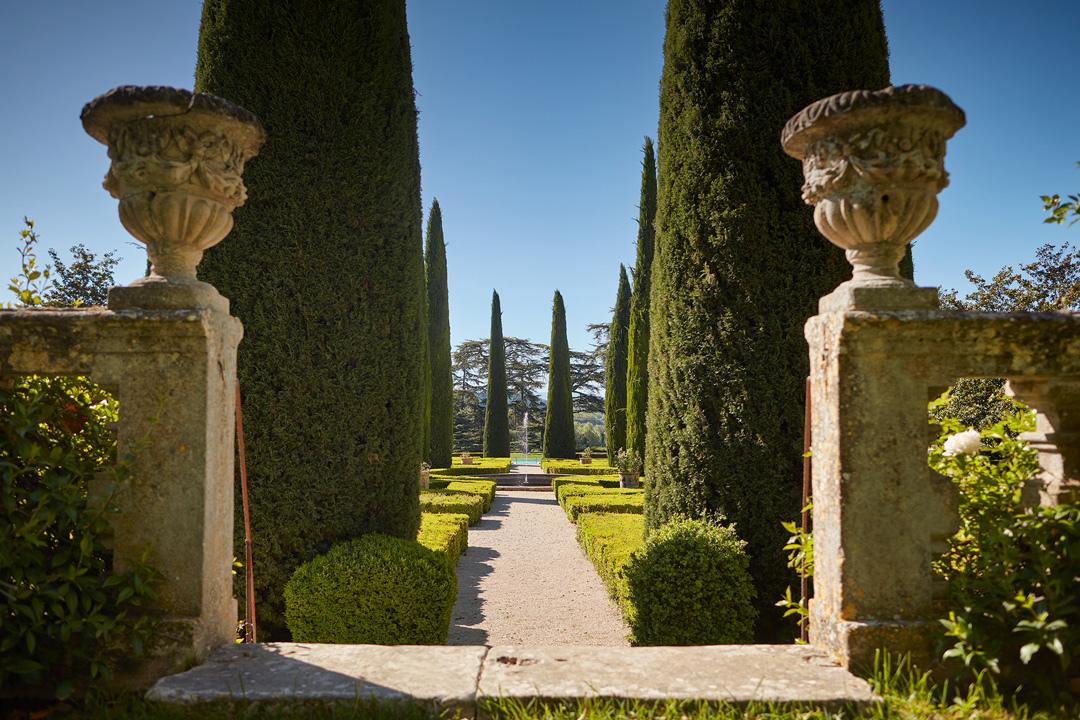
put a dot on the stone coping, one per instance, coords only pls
(459, 679)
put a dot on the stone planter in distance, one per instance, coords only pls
(425, 480)
(629, 480)
(586, 461)
(466, 461)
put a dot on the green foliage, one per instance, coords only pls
(609, 540)
(559, 418)
(559, 484)
(496, 412)
(373, 590)
(66, 617)
(325, 268)
(599, 466)
(738, 265)
(1059, 209)
(446, 533)
(453, 501)
(32, 283)
(628, 461)
(483, 488)
(690, 585)
(615, 369)
(479, 466)
(1013, 571)
(85, 282)
(438, 325)
(800, 550)
(637, 353)
(610, 501)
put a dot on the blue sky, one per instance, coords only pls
(532, 117)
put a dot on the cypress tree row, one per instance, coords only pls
(497, 412)
(441, 449)
(637, 354)
(739, 265)
(559, 419)
(615, 369)
(325, 268)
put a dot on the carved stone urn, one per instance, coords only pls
(873, 164)
(177, 161)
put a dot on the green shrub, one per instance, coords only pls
(608, 501)
(615, 368)
(559, 413)
(438, 342)
(609, 540)
(64, 617)
(1014, 572)
(446, 533)
(453, 501)
(480, 466)
(372, 590)
(483, 488)
(690, 585)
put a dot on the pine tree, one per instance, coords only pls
(496, 414)
(438, 325)
(325, 269)
(739, 265)
(615, 369)
(637, 354)
(559, 419)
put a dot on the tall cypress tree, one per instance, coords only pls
(438, 326)
(739, 265)
(497, 412)
(637, 354)
(615, 369)
(559, 419)
(324, 267)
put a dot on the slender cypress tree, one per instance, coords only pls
(325, 268)
(442, 382)
(497, 412)
(615, 369)
(739, 265)
(637, 354)
(559, 419)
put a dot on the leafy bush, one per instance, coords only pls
(1013, 571)
(479, 466)
(558, 484)
(609, 540)
(64, 614)
(599, 466)
(453, 501)
(446, 533)
(373, 590)
(690, 585)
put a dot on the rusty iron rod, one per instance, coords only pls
(249, 574)
(803, 631)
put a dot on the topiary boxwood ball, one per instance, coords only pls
(690, 585)
(374, 590)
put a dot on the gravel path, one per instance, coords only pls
(525, 581)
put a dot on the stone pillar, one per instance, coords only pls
(1056, 436)
(177, 161)
(873, 164)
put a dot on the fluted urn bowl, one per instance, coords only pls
(873, 164)
(177, 161)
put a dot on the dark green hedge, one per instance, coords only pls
(438, 328)
(559, 418)
(496, 410)
(325, 269)
(615, 369)
(373, 590)
(637, 353)
(739, 265)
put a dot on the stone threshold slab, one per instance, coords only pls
(459, 679)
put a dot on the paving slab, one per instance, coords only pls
(735, 674)
(440, 677)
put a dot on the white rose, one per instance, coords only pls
(968, 442)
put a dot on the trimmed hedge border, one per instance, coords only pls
(630, 502)
(483, 488)
(573, 467)
(480, 466)
(609, 540)
(444, 532)
(453, 501)
(604, 481)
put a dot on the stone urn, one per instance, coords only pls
(425, 480)
(873, 164)
(586, 461)
(177, 161)
(466, 460)
(629, 479)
